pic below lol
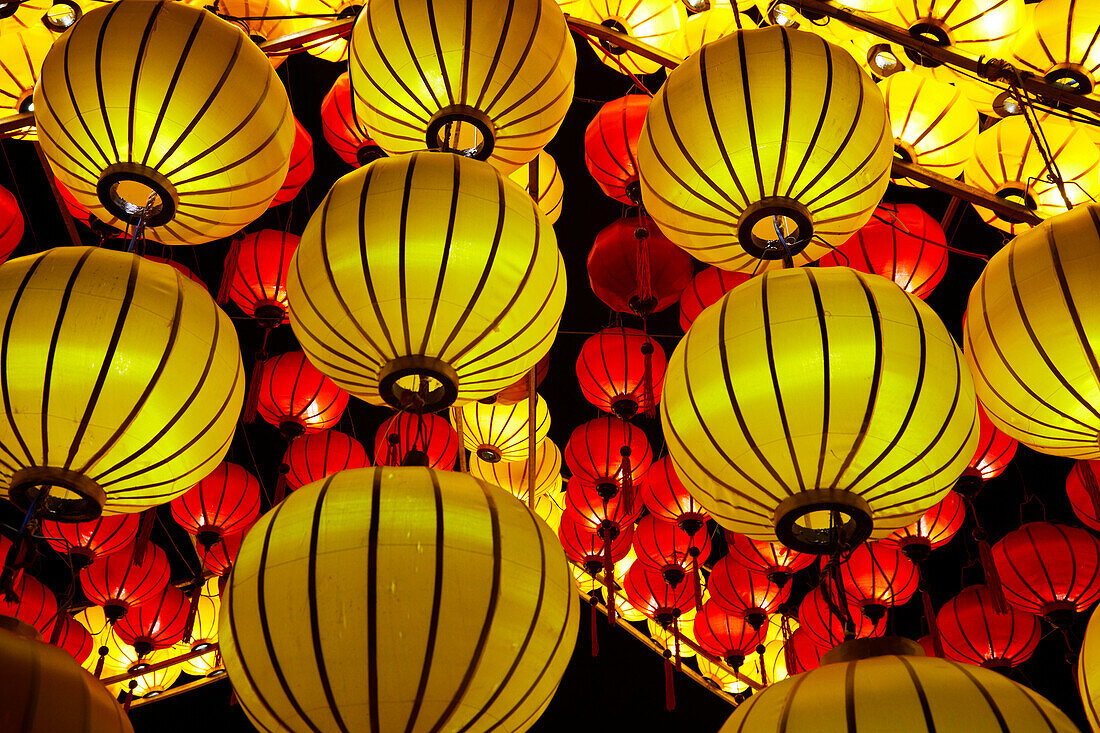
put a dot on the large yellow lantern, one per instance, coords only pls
(122, 382)
(653, 22)
(1061, 44)
(398, 599)
(766, 145)
(1030, 336)
(717, 21)
(195, 142)
(498, 433)
(1088, 672)
(426, 279)
(264, 20)
(809, 394)
(973, 27)
(463, 75)
(21, 57)
(514, 476)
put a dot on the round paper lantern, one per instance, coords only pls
(935, 528)
(259, 275)
(802, 652)
(877, 577)
(227, 501)
(513, 476)
(707, 26)
(118, 584)
(497, 433)
(488, 613)
(518, 390)
(654, 22)
(666, 638)
(124, 659)
(296, 397)
(734, 389)
(585, 504)
(550, 507)
(464, 77)
(611, 147)
(261, 20)
(603, 451)
(620, 370)
(817, 619)
(129, 381)
(405, 433)
(343, 130)
(156, 624)
(590, 547)
(84, 542)
(665, 496)
(300, 168)
(973, 27)
(28, 667)
(747, 595)
(633, 268)
(478, 284)
(33, 603)
(1083, 491)
(771, 559)
(21, 57)
(726, 168)
(1059, 44)
(1051, 570)
(195, 163)
(550, 193)
(665, 547)
(994, 453)
(11, 224)
(1088, 672)
(973, 632)
(853, 682)
(900, 242)
(204, 633)
(725, 635)
(647, 590)
(1027, 333)
(705, 289)
(218, 559)
(314, 457)
(72, 637)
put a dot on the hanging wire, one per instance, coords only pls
(1039, 137)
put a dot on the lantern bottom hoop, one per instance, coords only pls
(1072, 77)
(876, 646)
(124, 189)
(456, 128)
(756, 229)
(418, 384)
(852, 508)
(73, 496)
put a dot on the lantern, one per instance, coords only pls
(721, 676)
(973, 27)
(156, 624)
(817, 618)
(331, 47)
(667, 639)
(550, 190)
(589, 583)
(518, 390)
(72, 637)
(11, 224)
(705, 289)
(201, 160)
(900, 242)
(344, 131)
(590, 547)
(995, 452)
(218, 559)
(21, 57)
(853, 682)
(665, 547)
(29, 667)
(314, 457)
(780, 627)
(261, 20)
(935, 528)
(877, 577)
(733, 388)
(654, 22)
(772, 559)
(1083, 492)
(647, 590)
(620, 370)
(442, 552)
(633, 268)
(297, 398)
(513, 476)
(707, 26)
(1051, 570)
(727, 636)
(405, 433)
(84, 542)
(550, 508)
(227, 501)
(300, 168)
(1059, 44)
(802, 652)
(818, 173)
(611, 147)
(33, 603)
(203, 635)
(501, 432)
(973, 632)
(1008, 163)
(119, 584)
(606, 452)
(123, 659)
(259, 275)
(585, 504)
(431, 76)
(747, 595)
(1088, 671)
(665, 497)
(467, 339)
(1026, 336)
(128, 386)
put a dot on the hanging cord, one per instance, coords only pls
(1055, 175)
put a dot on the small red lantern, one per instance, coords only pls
(301, 166)
(648, 592)
(900, 242)
(84, 542)
(11, 224)
(518, 390)
(69, 634)
(428, 435)
(803, 653)
(704, 290)
(296, 398)
(994, 453)
(590, 507)
(588, 547)
(218, 559)
(260, 268)
(621, 370)
(76, 211)
(745, 594)
(935, 528)
(1051, 570)
(973, 632)
(826, 628)
(314, 457)
(772, 559)
(663, 546)
(665, 496)
(725, 635)
(633, 268)
(157, 624)
(342, 128)
(877, 577)
(611, 147)
(32, 602)
(227, 501)
(1083, 491)
(117, 584)
(609, 453)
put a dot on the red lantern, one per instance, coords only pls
(301, 166)
(648, 592)
(772, 559)
(663, 546)
(314, 457)
(342, 128)
(70, 636)
(227, 501)
(745, 594)
(1051, 570)
(877, 577)
(117, 584)
(406, 432)
(85, 542)
(296, 398)
(156, 624)
(182, 269)
(803, 653)
(518, 390)
(32, 602)
(704, 290)
(76, 211)
(589, 507)
(665, 496)
(621, 370)
(1083, 490)
(994, 453)
(973, 632)
(11, 224)
(218, 559)
(935, 528)
(900, 242)
(588, 547)
(260, 268)
(725, 635)
(633, 268)
(825, 627)
(611, 147)
(609, 454)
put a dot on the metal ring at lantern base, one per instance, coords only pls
(129, 211)
(467, 114)
(768, 207)
(400, 398)
(59, 22)
(268, 313)
(855, 529)
(613, 48)
(27, 482)
(1072, 78)
(930, 31)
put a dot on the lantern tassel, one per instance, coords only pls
(129, 696)
(252, 399)
(280, 483)
(145, 531)
(609, 576)
(670, 683)
(229, 271)
(698, 587)
(648, 395)
(192, 610)
(628, 480)
(763, 668)
(99, 662)
(594, 633)
(933, 627)
(992, 578)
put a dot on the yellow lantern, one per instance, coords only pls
(1029, 336)
(21, 57)
(1061, 44)
(204, 665)
(549, 507)
(512, 476)
(462, 75)
(1088, 672)
(499, 433)
(123, 382)
(707, 26)
(934, 125)
(848, 399)
(655, 22)
(42, 689)
(463, 614)
(1008, 162)
(426, 279)
(264, 20)
(122, 658)
(589, 583)
(204, 633)
(335, 49)
(551, 189)
(665, 638)
(722, 677)
(738, 178)
(195, 143)
(626, 610)
(973, 27)
(888, 684)
(774, 629)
